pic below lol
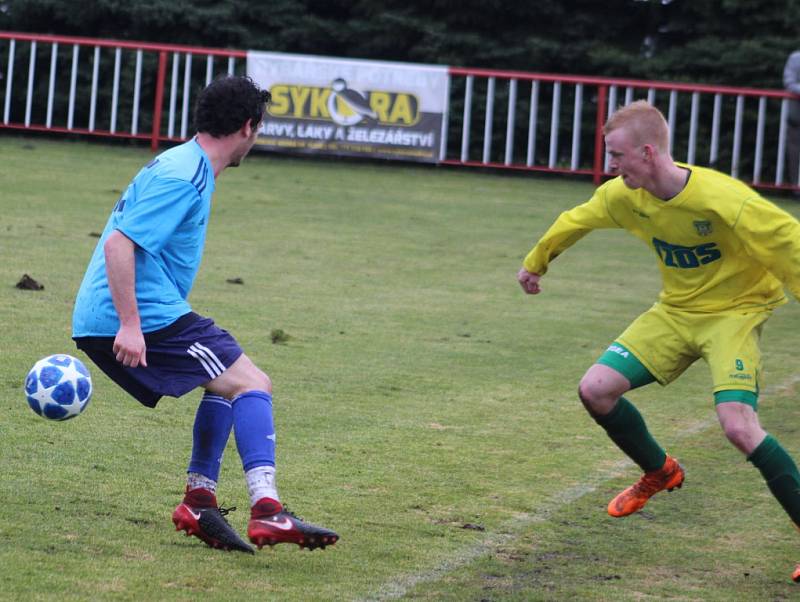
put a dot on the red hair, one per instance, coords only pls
(644, 123)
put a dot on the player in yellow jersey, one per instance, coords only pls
(725, 255)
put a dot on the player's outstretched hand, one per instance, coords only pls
(529, 281)
(129, 347)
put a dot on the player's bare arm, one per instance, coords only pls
(129, 345)
(529, 281)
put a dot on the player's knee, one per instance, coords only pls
(741, 426)
(600, 389)
(587, 404)
(745, 435)
(595, 398)
(262, 382)
(737, 433)
(255, 380)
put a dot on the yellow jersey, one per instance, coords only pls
(720, 245)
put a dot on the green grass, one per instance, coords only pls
(417, 392)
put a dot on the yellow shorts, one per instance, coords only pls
(667, 341)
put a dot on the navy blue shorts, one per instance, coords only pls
(186, 354)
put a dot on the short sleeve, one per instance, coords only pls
(772, 237)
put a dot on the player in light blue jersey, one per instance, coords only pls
(132, 318)
(165, 213)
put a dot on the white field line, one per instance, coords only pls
(403, 584)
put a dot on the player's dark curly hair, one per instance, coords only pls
(228, 103)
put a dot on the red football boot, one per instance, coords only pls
(271, 523)
(199, 515)
(669, 477)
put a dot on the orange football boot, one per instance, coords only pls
(796, 574)
(669, 477)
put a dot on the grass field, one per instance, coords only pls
(425, 407)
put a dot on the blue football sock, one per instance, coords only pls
(253, 429)
(212, 427)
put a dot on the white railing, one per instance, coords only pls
(497, 119)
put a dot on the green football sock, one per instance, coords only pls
(781, 474)
(626, 427)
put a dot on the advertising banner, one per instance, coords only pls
(352, 107)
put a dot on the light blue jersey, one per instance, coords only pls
(165, 211)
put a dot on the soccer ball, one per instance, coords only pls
(58, 387)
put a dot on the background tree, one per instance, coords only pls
(733, 42)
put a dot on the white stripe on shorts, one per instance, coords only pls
(211, 356)
(211, 366)
(211, 372)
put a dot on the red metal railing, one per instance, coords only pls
(603, 88)
(720, 120)
(162, 52)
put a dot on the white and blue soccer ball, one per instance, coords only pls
(58, 387)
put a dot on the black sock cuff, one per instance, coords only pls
(772, 460)
(619, 412)
(761, 454)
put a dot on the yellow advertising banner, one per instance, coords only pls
(352, 107)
